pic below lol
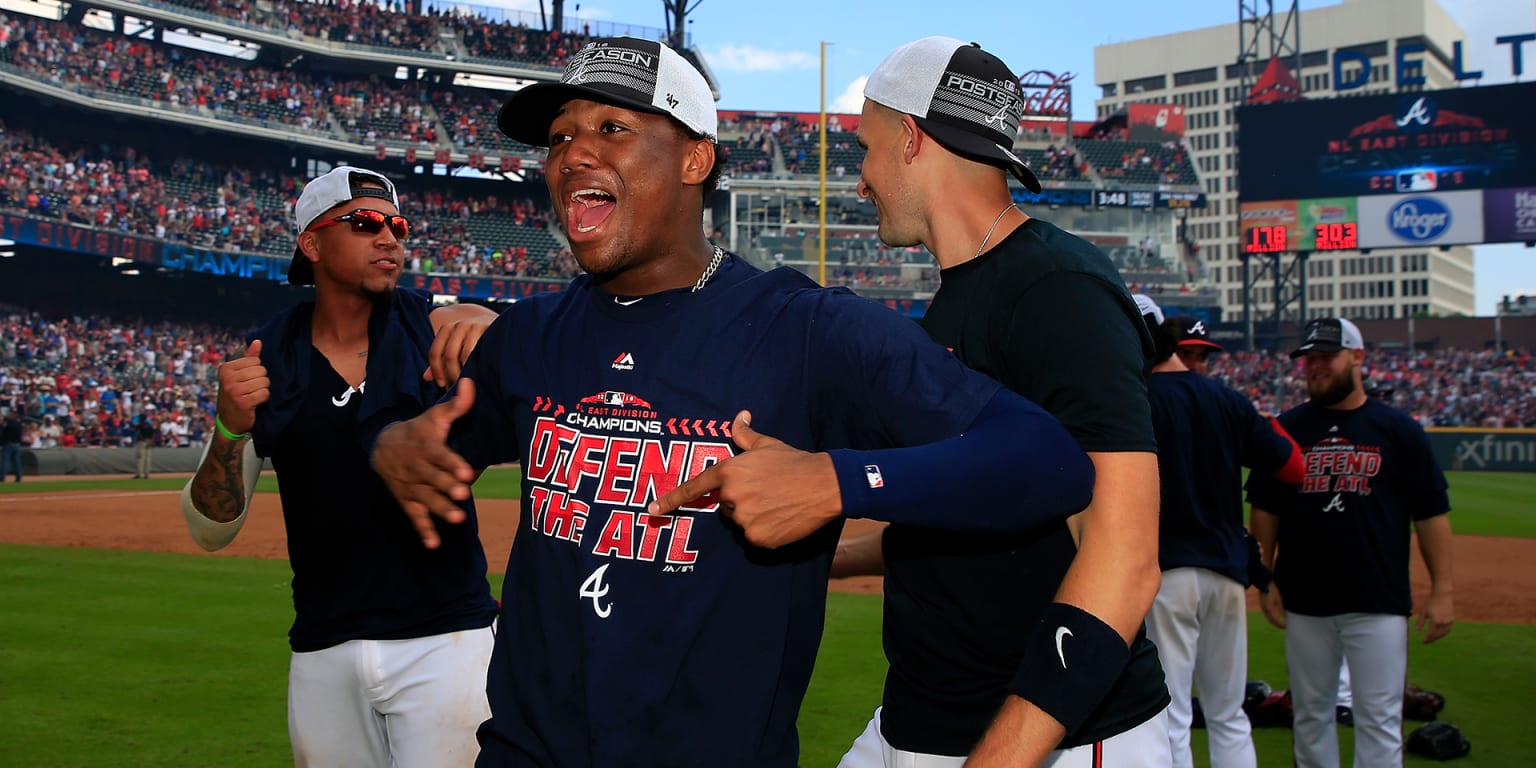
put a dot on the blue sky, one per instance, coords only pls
(766, 55)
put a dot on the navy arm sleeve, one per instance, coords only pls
(1013, 451)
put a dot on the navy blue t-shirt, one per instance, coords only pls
(1344, 534)
(632, 640)
(359, 569)
(1206, 434)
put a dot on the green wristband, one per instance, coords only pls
(228, 435)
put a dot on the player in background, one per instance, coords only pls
(1020, 649)
(1339, 548)
(1196, 349)
(668, 408)
(390, 641)
(1206, 434)
(1195, 346)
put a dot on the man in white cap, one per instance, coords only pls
(665, 596)
(390, 641)
(1339, 548)
(1025, 648)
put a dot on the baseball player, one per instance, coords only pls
(1339, 547)
(1206, 434)
(1195, 350)
(390, 641)
(1022, 649)
(660, 609)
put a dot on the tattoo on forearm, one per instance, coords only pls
(218, 489)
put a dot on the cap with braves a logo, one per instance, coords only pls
(965, 98)
(1194, 332)
(1329, 334)
(624, 71)
(340, 185)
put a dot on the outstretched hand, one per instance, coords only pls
(423, 474)
(777, 494)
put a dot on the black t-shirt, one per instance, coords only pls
(1206, 434)
(1344, 534)
(1045, 313)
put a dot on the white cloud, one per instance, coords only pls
(851, 101)
(750, 58)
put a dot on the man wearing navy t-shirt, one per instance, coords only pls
(692, 432)
(390, 641)
(1206, 434)
(1339, 547)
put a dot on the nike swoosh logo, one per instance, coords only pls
(1060, 633)
(629, 303)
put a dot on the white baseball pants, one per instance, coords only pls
(1376, 648)
(1145, 746)
(1199, 624)
(390, 703)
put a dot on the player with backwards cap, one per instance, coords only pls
(390, 641)
(1018, 649)
(665, 595)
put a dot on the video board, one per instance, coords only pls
(1427, 168)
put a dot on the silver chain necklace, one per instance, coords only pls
(988, 237)
(709, 271)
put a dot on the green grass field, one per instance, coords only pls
(112, 658)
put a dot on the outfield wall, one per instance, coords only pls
(1484, 450)
(106, 461)
(1470, 450)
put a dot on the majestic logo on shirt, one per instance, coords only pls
(624, 362)
(341, 402)
(1336, 465)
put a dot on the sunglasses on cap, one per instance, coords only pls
(371, 221)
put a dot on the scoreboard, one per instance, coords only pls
(1414, 169)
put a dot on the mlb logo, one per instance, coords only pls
(1417, 181)
(873, 477)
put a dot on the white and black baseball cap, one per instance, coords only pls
(1148, 308)
(965, 98)
(1329, 334)
(340, 185)
(628, 72)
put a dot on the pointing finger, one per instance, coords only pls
(698, 486)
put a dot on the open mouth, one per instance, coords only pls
(589, 209)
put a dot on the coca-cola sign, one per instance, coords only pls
(1047, 94)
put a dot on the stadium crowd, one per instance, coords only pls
(87, 381)
(82, 381)
(1441, 388)
(236, 209)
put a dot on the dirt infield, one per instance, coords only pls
(1494, 582)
